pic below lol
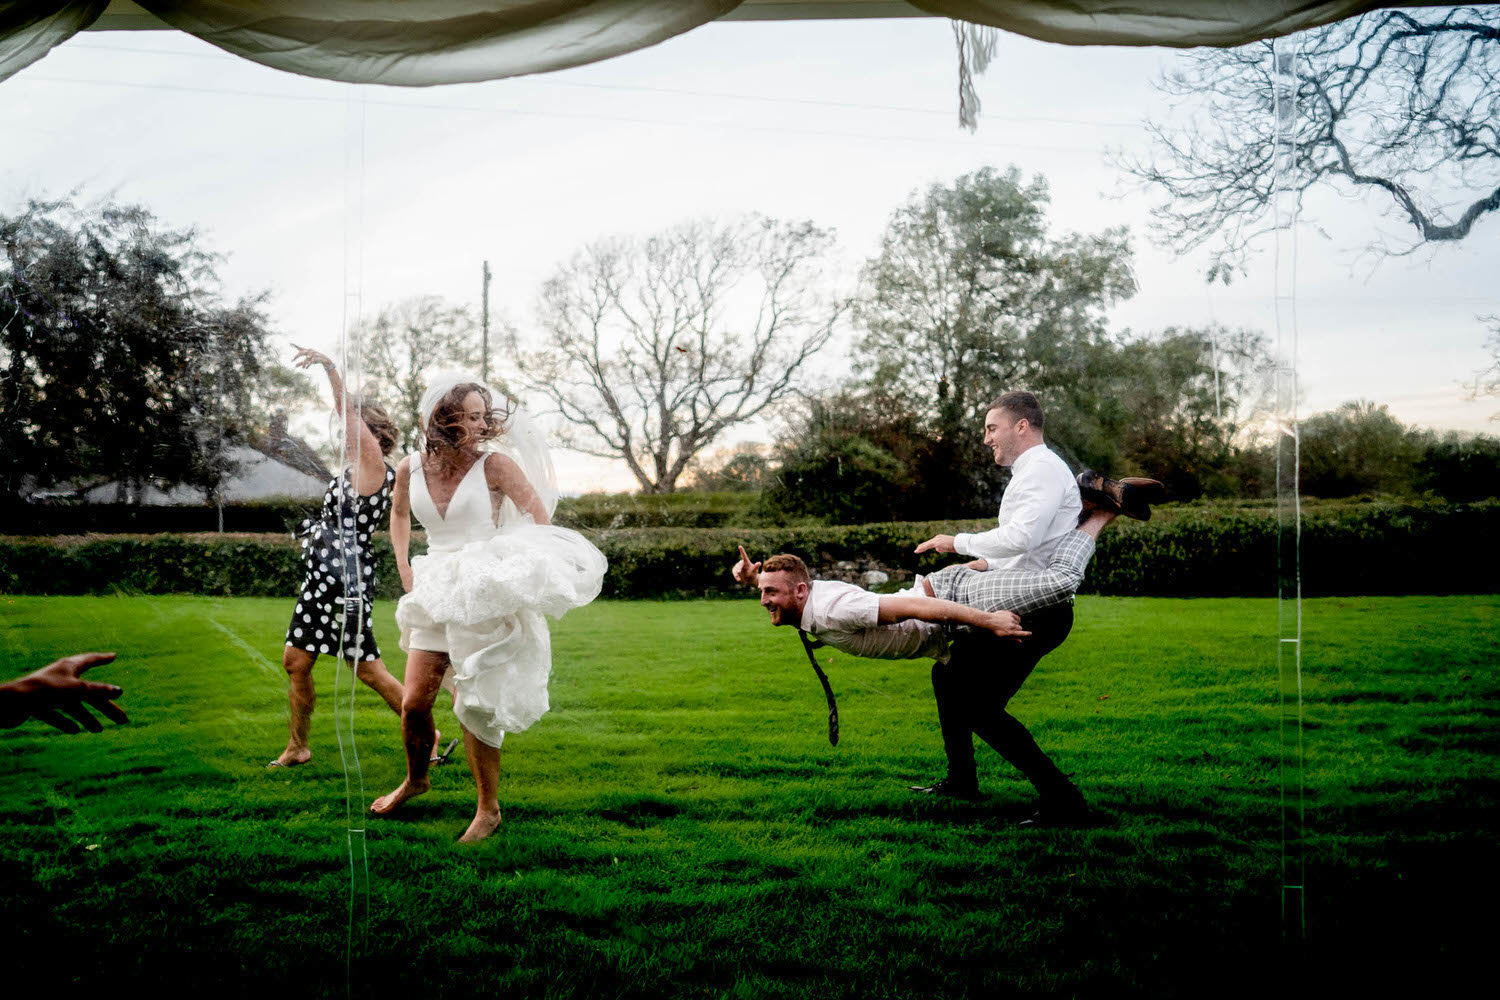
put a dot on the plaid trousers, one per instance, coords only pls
(1019, 590)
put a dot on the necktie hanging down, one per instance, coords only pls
(833, 707)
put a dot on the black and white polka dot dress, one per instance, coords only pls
(340, 562)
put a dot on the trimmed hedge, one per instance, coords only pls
(689, 509)
(592, 511)
(1197, 551)
(268, 516)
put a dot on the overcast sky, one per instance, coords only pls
(833, 121)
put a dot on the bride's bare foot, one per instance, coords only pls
(485, 823)
(408, 789)
(291, 757)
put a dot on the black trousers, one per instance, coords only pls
(974, 687)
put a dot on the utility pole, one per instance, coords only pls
(219, 456)
(484, 365)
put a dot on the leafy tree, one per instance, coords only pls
(120, 360)
(281, 391)
(969, 295)
(1399, 106)
(745, 469)
(851, 457)
(1152, 408)
(1179, 404)
(1460, 466)
(400, 344)
(654, 347)
(1357, 448)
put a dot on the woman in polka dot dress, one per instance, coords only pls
(340, 562)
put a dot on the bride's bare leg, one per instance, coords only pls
(484, 763)
(424, 675)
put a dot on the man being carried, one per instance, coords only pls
(853, 620)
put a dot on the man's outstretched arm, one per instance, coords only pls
(898, 608)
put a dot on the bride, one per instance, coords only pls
(484, 489)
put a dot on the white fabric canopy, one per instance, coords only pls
(403, 42)
(1163, 22)
(426, 42)
(29, 31)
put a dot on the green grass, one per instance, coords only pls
(679, 826)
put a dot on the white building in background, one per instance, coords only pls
(260, 477)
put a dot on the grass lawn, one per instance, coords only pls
(679, 826)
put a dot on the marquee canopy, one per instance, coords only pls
(426, 42)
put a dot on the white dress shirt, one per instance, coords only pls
(847, 618)
(1039, 507)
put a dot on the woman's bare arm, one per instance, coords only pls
(503, 474)
(401, 522)
(361, 447)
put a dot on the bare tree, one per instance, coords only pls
(404, 341)
(1487, 381)
(655, 346)
(1402, 106)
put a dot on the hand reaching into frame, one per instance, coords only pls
(59, 696)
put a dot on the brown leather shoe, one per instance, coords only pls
(1132, 496)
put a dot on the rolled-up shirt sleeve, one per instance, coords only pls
(1030, 502)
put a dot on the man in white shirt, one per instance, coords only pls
(974, 685)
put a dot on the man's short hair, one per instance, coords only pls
(786, 563)
(1020, 404)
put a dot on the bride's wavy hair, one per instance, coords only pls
(445, 427)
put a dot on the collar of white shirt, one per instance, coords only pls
(1029, 455)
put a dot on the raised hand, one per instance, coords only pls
(306, 357)
(745, 571)
(58, 696)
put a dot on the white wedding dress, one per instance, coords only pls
(480, 594)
